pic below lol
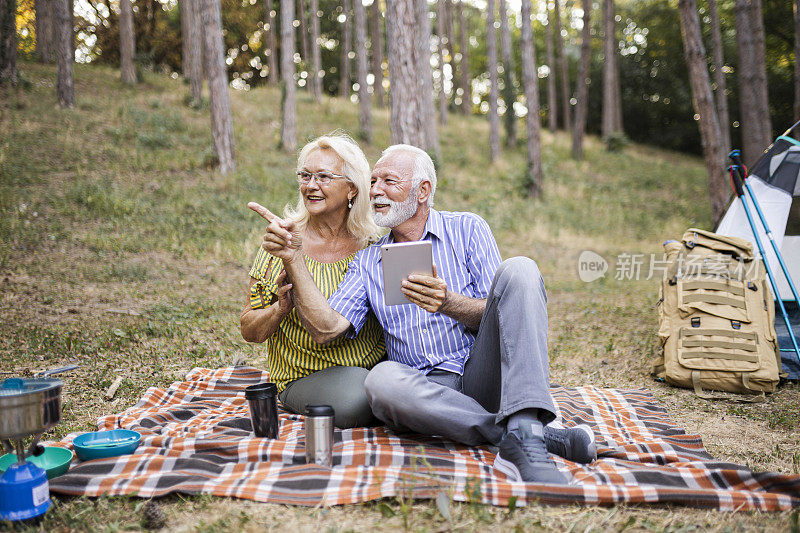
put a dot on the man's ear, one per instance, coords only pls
(424, 192)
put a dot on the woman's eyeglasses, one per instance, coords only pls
(322, 178)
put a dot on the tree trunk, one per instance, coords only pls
(759, 41)
(608, 122)
(425, 93)
(442, 39)
(45, 31)
(796, 59)
(404, 121)
(65, 82)
(552, 106)
(562, 68)
(288, 85)
(376, 51)
(530, 80)
(703, 100)
(301, 14)
(271, 25)
(8, 41)
(216, 70)
(345, 81)
(755, 135)
(450, 46)
(466, 77)
(719, 77)
(127, 43)
(316, 61)
(491, 61)
(186, 22)
(194, 58)
(579, 127)
(364, 104)
(509, 89)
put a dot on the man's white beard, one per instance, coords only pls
(398, 212)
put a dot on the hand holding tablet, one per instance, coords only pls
(409, 276)
(401, 260)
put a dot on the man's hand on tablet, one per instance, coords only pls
(428, 292)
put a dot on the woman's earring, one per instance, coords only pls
(349, 203)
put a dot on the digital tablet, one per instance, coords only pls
(400, 261)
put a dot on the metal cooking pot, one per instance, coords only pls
(29, 406)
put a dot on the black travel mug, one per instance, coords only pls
(262, 399)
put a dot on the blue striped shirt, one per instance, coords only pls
(466, 257)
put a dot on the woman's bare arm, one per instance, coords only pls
(258, 325)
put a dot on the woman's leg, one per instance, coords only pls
(341, 387)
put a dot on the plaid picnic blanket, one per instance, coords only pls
(196, 438)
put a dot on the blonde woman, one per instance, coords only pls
(334, 216)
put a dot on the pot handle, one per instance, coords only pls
(46, 373)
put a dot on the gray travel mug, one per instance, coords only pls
(262, 399)
(319, 434)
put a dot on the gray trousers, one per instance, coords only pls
(341, 387)
(507, 370)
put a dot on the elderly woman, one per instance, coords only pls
(335, 221)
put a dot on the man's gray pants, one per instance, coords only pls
(507, 370)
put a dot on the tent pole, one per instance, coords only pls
(737, 173)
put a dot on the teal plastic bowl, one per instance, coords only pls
(54, 461)
(102, 444)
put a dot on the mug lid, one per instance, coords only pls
(319, 410)
(261, 390)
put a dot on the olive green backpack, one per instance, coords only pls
(716, 317)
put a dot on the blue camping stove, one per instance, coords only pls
(28, 407)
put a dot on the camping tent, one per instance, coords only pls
(775, 182)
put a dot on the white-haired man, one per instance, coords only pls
(469, 360)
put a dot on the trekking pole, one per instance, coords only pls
(737, 175)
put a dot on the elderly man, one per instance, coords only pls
(468, 361)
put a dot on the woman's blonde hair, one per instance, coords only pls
(356, 170)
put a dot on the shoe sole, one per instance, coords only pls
(507, 467)
(592, 442)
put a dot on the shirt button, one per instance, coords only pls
(425, 330)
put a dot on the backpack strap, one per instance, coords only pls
(740, 398)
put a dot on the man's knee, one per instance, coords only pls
(518, 273)
(385, 382)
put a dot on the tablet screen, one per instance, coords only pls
(399, 261)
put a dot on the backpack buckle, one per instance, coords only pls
(696, 322)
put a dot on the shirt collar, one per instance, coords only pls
(433, 226)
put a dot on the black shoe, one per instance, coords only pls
(573, 444)
(526, 459)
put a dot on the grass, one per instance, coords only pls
(120, 249)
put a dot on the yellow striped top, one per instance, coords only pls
(291, 353)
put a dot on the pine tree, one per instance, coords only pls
(65, 80)
(531, 82)
(463, 64)
(491, 61)
(376, 51)
(219, 100)
(288, 85)
(581, 109)
(364, 104)
(509, 83)
(127, 42)
(316, 60)
(703, 100)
